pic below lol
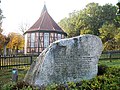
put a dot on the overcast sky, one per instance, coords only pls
(18, 12)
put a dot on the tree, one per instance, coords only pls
(2, 37)
(117, 39)
(86, 31)
(6, 41)
(108, 32)
(3, 43)
(70, 24)
(110, 45)
(1, 17)
(110, 36)
(91, 18)
(16, 42)
(24, 27)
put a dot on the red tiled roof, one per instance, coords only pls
(45, 23)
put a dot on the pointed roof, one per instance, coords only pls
(44, 9)
(45, 23)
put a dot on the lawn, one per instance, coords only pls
(114, 63)
(6, 74)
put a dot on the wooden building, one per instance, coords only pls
(43, 32)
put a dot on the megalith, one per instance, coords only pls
(71, 59)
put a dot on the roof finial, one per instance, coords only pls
(44, 3)
(44, 8)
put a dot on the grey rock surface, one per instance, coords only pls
(73, 59)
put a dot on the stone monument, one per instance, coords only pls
(73, 59)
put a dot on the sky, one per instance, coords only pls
(18, 13)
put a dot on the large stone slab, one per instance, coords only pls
(72, 59)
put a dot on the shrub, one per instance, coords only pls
(102, 69)
(108, 79)
(18, 86)
(8, 86)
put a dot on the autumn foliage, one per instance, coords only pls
(16, 41)
(2, 40)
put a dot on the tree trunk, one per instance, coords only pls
(4, 50)
(17, 50)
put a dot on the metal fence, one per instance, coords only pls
(110, 55)
(25, 60)
(15, 61)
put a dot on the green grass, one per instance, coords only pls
(6, 74)
(116, 55)
(114, 63)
